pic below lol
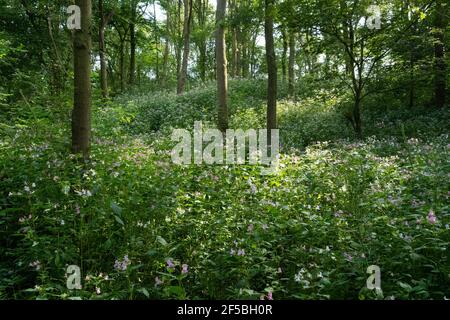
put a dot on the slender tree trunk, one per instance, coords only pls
(102, 50)
(122, 65)
(284, 56)
(271, 68)
(179, 40)
(202, 61)
(201, 6)
(411, 80)
(244, 59)
(238, 52)
(252, 55)
(155, 28)
(221, 58)
(439, 54)
(291, 75)
(132, 27)
(58, 68)
(81, 115)
(357, 115)
(186, 37)
(234, 42)
(166, 51)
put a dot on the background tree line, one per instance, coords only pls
(300, 46)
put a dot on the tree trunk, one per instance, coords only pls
(132, 27)
(439, 55)
(271, 68)
(122, 65)
(202, 61)
(234, 53)
(244, 59)
(81, 115)
(186, 37)
(58, 70)
(412, 80)
(284, 56)
(178, 39)
(166, 51)
(238, 52)
(102, 50)
(357, 115)
(252, 55)
(155, 28)
(221, 60)
(291, 76)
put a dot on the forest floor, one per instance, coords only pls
(142, 227)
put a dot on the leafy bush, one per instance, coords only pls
(141, 227)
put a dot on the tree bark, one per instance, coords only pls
(439, 55)
(166, 51)
(244, 58)
(179, 40)
(81, 115)
(284, 56)
(133, 44)
(186, 37)
(271, 68)
(291, 74)
(102, 49)
(122, 65)
(238, 52)
(155, 28)
(202, 6)
(221, 59)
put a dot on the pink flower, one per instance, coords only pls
(269, 296)
(241, 252)
(338, 214)
(122, 265)
(158, 281)
(170, 263)
(348, 257)
(36, 264)
(431, 217)
(184, 268)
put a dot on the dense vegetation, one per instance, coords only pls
(364, 168)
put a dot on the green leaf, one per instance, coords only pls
(161, 240)
(119, 220)
(116, 209)
(145, 292)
